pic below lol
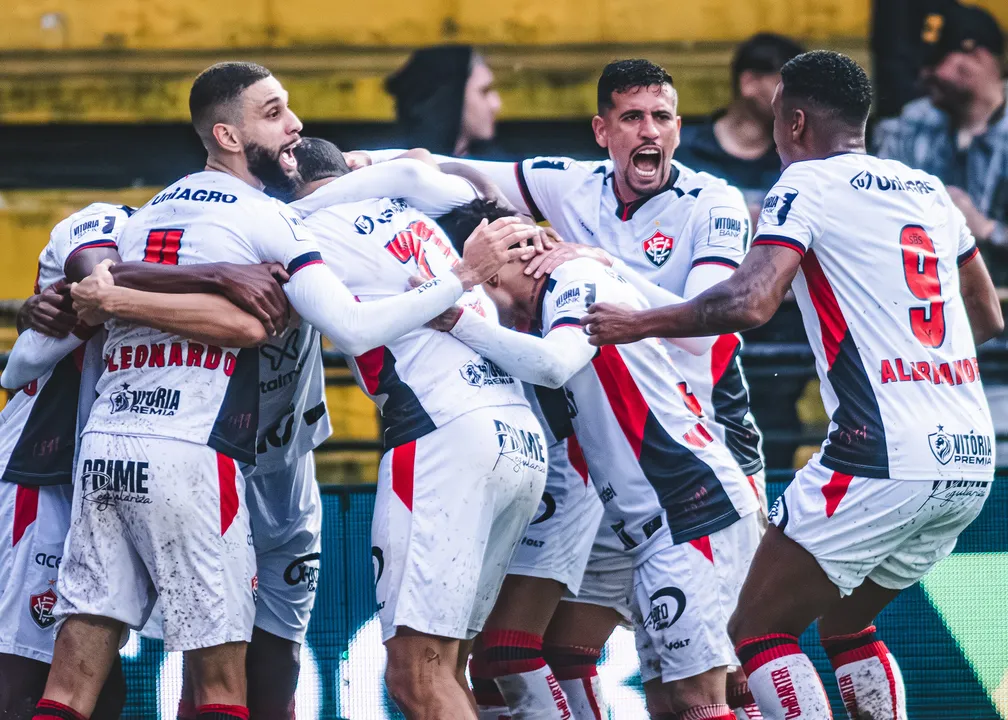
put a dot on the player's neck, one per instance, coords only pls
(529, 302)
(742, 134)
(236, 168)
(627, 195)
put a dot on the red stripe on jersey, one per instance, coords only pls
(88, 246)
(403, 459)
(703, 545)
(780, 241)
(625, 398)
(370, 365)
(835, 490)
(25, 510)
(226, 475)
(577, 458)
(722, 353)
(967, 256)
(831, 319)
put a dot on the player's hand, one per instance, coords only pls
(50, 312)
(356, 159)
(608, 324)
(257, 290)
(487, 250)
(544, 241)
(91, 293)
(548, 262)
(979, 224)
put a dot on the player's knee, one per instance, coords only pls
(403, 684)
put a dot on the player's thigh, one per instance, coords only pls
(558, 542)
(524, 603)
(188, 520)
(103, 573)
(581, 624)
(286, 517)
(34, 521)
(438, 499)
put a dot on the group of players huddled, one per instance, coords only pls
(567, 429)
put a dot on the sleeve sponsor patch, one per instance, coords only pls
(777, 205)
(297, 226)
(727, 227)
(550, 164)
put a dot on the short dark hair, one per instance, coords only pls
(460, 222)
(829, 81)
(763, 53)
(215, 90)
(318, 158)
(623, 75)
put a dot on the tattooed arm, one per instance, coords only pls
(747, 299)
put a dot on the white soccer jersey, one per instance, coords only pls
(164, 385)
(695, 219)
(879, 295)
(425, 378)
(292, 406)
(39, 426)
(647, 449)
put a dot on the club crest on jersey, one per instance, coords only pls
(658, 248)
(41, 606)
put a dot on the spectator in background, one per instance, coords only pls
(737, 143)
(959, 132)
(445, 101)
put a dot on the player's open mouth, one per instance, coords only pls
(287, 158)
(646, 162)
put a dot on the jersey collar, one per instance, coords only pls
(625, 211)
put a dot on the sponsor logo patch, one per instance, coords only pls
(483, 373)
(304, 569)
(961, 448)
(158, 401)
(107, 482)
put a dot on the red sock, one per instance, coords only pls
(707, 712)
(515, 661)
(222, 712)
(575, 668)
(782, 679)
(52, 710)
(870, 681)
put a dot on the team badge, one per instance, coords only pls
(941, 445)
(41, 607)
(657, 248)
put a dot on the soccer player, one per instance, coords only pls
(682, 507)
(174, 417)
(465, 460)
(41, 426)
(894, 298)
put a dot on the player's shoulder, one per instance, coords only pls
(95, 224)
(705, 187)
(581, 270)
(545, 167)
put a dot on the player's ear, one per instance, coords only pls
(493, 281)
(599, 128)
(227, 137)
(798, 124)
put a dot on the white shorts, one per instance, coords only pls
(558, 542)
(156, 518)
(285, 510)
(34, 522)
(608, 576)
(758, 482)
(449, 511)
(891, 531)
(684, 595)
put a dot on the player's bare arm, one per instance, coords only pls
(747, 299)
(208, 318)
(49, 312)
(256, 289)
(980, 297)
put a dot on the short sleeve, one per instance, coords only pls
(284, 238)
(573, 288)
(543, 182)
(95, 228)
(792, 213)
(721, 227)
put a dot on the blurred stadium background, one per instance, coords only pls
(93, 106)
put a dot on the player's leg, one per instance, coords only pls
(573, 644)
(22, 681)
(103, 585)
(285, 511)
(510, 648)
(112, 698)
(685, 594)
(420, 676)
(195, 539)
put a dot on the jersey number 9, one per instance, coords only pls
(920, 268)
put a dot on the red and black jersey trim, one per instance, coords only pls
(234, 430)
(100, 243)
(404, 416)
(780, 240)
(716, 260)
(967, 256)
(527, 194)
(625, 211)
(304, 260)
(730, 401)
(43, 454)
(565, 322)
